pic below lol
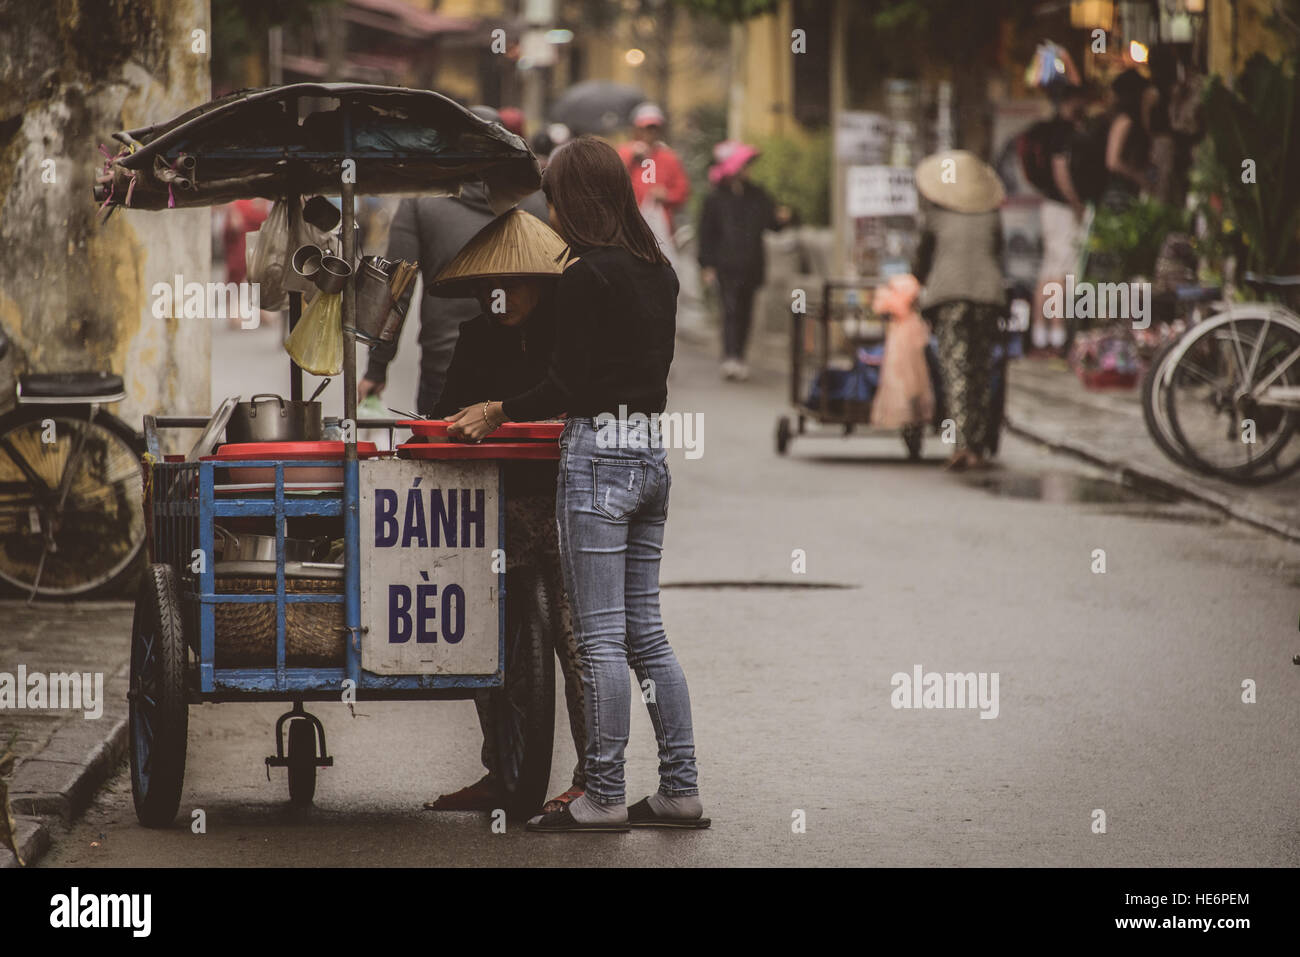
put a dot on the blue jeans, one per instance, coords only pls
(611, 505)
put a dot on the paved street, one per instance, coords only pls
(1118, 691)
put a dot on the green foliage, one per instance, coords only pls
(239, 29)
(705, 126)
(797, 173)
(1259, 120)
(730, 11)
(1125, 243)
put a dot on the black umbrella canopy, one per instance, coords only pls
(597, 106)
(291, 140)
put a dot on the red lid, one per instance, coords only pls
(464, 450)
(506, 432)
(288, 450)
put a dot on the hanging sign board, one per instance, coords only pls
(430, 583)
(880, 191)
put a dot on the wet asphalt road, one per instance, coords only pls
(1118, 691)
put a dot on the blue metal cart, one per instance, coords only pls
(392, 140)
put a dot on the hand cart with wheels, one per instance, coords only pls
(843, 348)
(421, 605)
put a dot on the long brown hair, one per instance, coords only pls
(591, 191)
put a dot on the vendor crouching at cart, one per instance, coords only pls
(511, 266)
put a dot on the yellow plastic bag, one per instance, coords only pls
(316, 343)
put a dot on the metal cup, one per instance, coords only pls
(306, 260)
(333, 275)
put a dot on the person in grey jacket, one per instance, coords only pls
(433, 230)
(959, 261)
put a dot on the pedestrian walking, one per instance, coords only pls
(658, 177)
(735, 214)
(1052, 153)
(615, 314)
(959, 260)
(1128, 143)
(431, 230)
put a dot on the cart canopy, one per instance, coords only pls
(292, 140)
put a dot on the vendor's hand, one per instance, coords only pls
(709, 275)
(368, 387)
(783, 215)
(475, 422)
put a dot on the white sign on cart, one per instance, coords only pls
(429, 592)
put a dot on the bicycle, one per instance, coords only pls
(71, 487)
(1223, 399)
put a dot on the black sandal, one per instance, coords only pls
(564, 821)
(641, 814)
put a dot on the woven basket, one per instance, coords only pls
(313, 633)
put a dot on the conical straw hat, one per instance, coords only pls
(959, 180)
(515, 244)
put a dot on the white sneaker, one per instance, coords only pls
(729, 368)
(742, 371)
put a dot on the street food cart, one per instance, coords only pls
(416, 600)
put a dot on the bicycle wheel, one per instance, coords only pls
(1214, 401)
(1154, 396)
(71, 515)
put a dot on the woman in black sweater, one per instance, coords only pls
(616, 308)
(497, 352)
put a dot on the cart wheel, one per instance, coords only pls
(302, 762)
(914, 438)
(159, 714)
(782, 435)
(523, 710)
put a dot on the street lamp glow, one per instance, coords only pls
(1137, 51)
(634, 57)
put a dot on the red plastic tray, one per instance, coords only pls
(506, 432)
(463, 450)
(288, 450)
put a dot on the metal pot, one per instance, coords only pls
(269, 418)
(247, 547)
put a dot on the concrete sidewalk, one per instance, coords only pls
(63, 756)
(1048, 404)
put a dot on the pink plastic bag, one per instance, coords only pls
(904, 396)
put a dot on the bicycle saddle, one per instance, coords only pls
(63, 386)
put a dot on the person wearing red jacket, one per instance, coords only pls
(663, 180)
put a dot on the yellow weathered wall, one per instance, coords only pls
(1253, 34)
(75, 294)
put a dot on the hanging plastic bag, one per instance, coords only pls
(270, 249)
(316, 343)
(269, 257)
(904, 396)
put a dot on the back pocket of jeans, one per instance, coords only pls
(617, 485)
